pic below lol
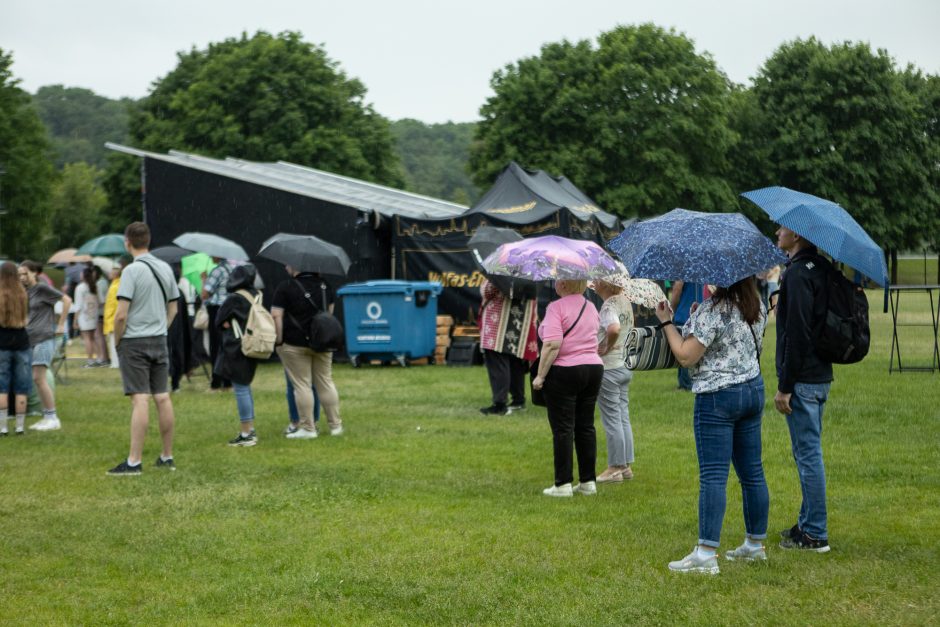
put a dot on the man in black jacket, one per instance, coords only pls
(803, 380)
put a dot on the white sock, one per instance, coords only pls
(3, 420)
(752, 544)
(20, 421)
(131, 464)
(246, 433)
(50, 414)
(705, 552)
(165, 459)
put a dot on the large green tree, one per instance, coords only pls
(80, 122)
(435, 157)
(842, 122)
(27, 169)
(639, 122)
(263, 98)
(76, 204)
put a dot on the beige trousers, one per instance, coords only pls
(305, 368)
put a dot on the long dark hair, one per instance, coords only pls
(88, 277)
(742, 295)
(14, 310)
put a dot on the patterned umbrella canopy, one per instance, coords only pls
(550, 258)
(713, 248)
(638, 291)
(825, 224)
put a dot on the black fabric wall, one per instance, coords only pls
(178, 199)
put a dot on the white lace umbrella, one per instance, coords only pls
(638, 291)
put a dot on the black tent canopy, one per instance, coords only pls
(531, 202)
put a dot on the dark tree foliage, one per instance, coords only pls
(268, 98)
(80, 122)
(843, 123)
(434, 157)
(27, 170)
(639, 122)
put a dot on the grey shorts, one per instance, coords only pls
(144, 363)
(44, 352)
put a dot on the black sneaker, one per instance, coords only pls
(805, 542)
(125, 470)
(494, 410)
(244, 440)
(513, 407)
(792, 532)
(168, 464)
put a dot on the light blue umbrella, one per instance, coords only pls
(715, 248)
(825, 224)
(110, 245)
(212, 245)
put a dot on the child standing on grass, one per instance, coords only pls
(15, 354)
(231, 363)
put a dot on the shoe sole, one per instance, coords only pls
(242, 444)
(733, 558)
(699, 571)
(821, 549)
(124, 474)
(610, 480)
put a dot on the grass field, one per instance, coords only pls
(425, 512)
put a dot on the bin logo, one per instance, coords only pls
(374, 310)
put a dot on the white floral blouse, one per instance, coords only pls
(731, 355)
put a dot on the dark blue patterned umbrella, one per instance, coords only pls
(715, 248)
(825, 224)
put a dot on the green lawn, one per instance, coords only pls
(425, 512)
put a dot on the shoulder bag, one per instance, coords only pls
(646, 348)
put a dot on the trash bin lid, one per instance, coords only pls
(390, 287)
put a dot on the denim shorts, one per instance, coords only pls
(16, 371)
(44, 352)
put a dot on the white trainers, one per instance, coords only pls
(559, 490)
(588, 488)
(302, 434)
(47, 424)
(747, 554)
(336, 430)
(692, 563)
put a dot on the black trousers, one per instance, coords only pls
(215, 344)
(570, 396)
(507, 376)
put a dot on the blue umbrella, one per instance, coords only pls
(715, 248)
(825, 224)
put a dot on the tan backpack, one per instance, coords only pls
(260, 334)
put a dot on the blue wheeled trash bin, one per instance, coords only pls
(390, 320)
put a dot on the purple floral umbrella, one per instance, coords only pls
(550, 258)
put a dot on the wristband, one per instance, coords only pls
(665, 324)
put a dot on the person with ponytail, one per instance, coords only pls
(720, 344)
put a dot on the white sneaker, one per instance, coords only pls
(40, 425)
(47, 424)
(558, 490)
(692, 563)
(746, 554)
(588, 488)
(302, 434)
(336, 430)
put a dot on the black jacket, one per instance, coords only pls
(231, 363)
(801, 310)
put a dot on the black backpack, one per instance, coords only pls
(324, 333)
(845, 335)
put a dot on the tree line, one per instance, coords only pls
(638, 118)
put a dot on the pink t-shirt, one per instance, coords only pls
(579, 347)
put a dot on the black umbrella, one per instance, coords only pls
(486, 240)
(306, 253)
(170, 254)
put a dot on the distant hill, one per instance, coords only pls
(80, 122)
(434, 157)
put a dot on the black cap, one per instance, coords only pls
(242, 277)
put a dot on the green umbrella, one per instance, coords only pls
(192, 267)
(110, 245)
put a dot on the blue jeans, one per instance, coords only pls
(16, 372)
(244, 401)
(805, 423)
(727, 430)
(292, 404)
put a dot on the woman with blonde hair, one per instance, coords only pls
(616, 320)
(15, 353)
(570, 373)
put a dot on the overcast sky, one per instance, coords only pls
(429, 60)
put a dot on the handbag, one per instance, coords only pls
(646, 348)
(538, 396)
(201, 319)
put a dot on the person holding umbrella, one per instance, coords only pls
(214, 294)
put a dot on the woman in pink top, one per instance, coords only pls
(570, 373)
